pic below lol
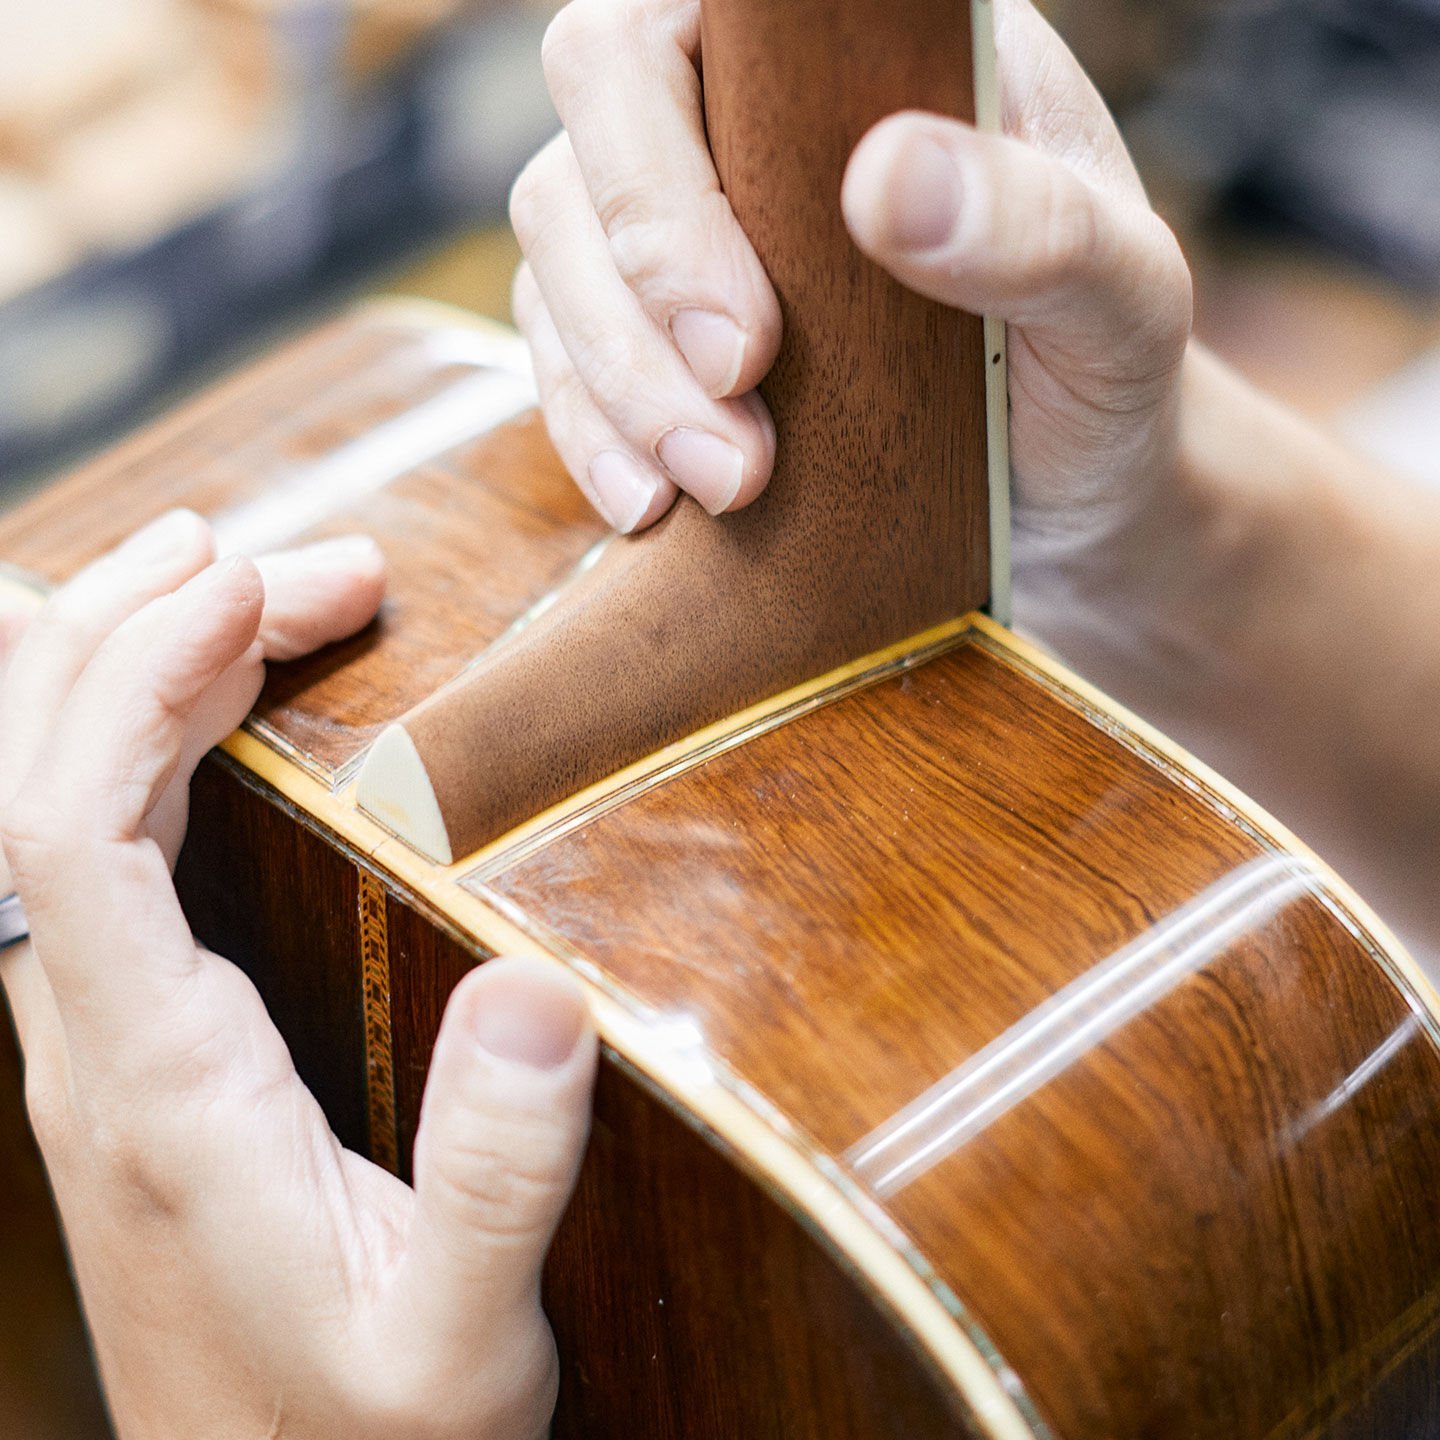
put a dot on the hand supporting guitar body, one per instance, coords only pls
(242, 1274)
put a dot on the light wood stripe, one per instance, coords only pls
(708, 1096)
(1402, 969)
(855, 1229)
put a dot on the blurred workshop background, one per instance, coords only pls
(184, 182)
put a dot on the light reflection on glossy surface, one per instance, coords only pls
(1368, 1070)
(342, 479)
(1132, 1080)
(1082, 1015)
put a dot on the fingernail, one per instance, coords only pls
(704, 465)
(345, 550)
(922, 197)
(713, 346)
(622, 489)
(161, 538)
(200, 590)
(527, 1015)
(217, 576)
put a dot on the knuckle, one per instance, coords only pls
(1175, 285)
(32, 832)
(1160, 315)
(131, 1162)
(673, 252)
(527, 202)
(498, 1193)
(643, 248)
(66, 609)
(570, 44)
(68, 622)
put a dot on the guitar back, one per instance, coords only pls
(975, 1063)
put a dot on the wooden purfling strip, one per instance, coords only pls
(379, 1056)
(875, 523)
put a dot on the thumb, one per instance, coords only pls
(502, 1131)
(989, 224)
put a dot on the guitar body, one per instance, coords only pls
(975, 1064)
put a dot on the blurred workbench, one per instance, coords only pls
(473, 272)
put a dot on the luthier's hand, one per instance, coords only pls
(242, 1274)
(1189, 545)
(643, 301)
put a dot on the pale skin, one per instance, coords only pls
(242, 1274)
(1271, 600)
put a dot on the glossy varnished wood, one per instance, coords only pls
(275, 898)
(648, 1333)
(426, 963)
(1233, 1185)
(691, 1244)
(452, 590)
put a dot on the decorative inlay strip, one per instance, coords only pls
(379, 1059)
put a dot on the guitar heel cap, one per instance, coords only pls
(394, 789)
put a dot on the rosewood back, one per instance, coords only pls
(975, 1064)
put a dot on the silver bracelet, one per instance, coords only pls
(14, 927)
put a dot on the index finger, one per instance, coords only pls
(58, 645)
(104, 918)
(624, 78)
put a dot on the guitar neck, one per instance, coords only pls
(872, 382)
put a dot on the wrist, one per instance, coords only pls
(1246, 532)
(1131, 601)
(1274, 605)
(1256, 550)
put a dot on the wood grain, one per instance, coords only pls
(648, 1338)
(376, 984)
(426, 965)
(874, 525)
(284, 905)
(1208, 1223)
(691, 1245)
(473, 535)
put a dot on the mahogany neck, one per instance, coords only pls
(873, 383)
